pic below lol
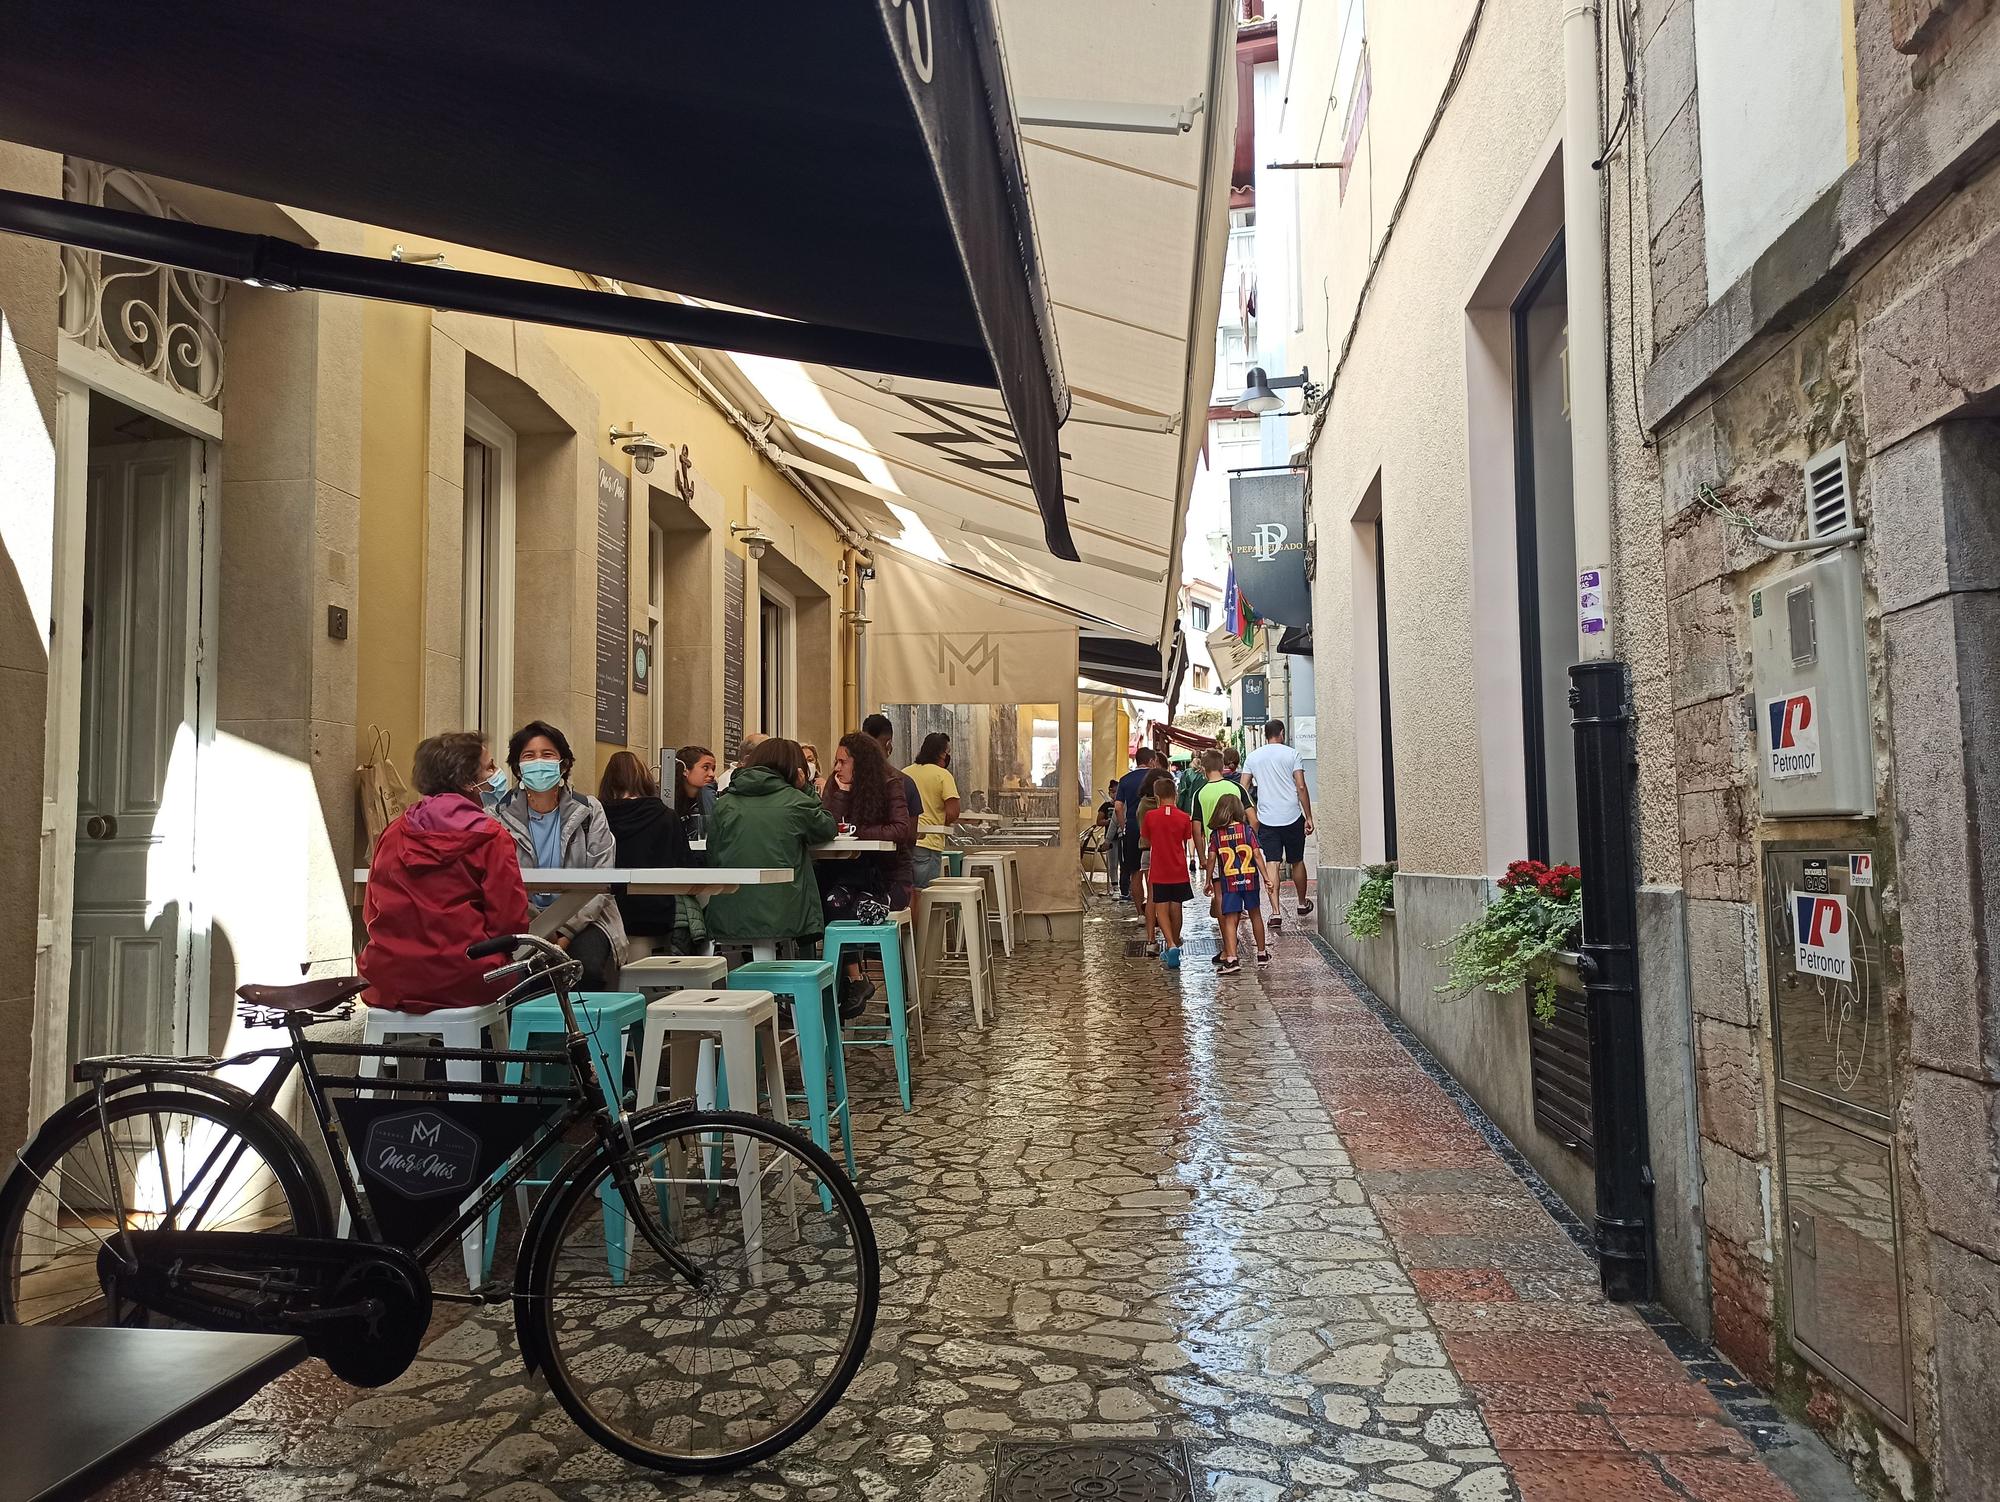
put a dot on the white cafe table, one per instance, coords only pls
(838, 848)
(573, 888)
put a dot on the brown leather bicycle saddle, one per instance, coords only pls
(307, 995)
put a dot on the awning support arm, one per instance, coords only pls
(1104, 114)
(266, 261)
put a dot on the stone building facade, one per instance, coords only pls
(1862, 327)
(1802, 273)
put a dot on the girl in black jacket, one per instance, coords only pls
(647, 833)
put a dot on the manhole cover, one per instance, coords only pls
(1093, 1471)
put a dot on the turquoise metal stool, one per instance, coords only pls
(816, 1023)
(607, 1017)
(954, 863)
(890, 941)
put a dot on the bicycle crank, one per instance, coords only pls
(361, 1308)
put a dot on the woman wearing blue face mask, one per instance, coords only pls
(556, 827)
(493, 784)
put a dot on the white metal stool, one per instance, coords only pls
(993, 870)
(746, 1024)
(963, 898)
(454, 1028)
(659, 974)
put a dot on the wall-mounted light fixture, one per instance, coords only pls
(1260, 394)
(754, 540)
(639, 444)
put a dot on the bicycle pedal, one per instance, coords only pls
(494, 1291)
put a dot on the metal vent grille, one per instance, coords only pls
(1559, 1073)
(1829, 500)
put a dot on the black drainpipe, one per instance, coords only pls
(1606, 765)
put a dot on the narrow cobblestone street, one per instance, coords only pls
(1145, 1206)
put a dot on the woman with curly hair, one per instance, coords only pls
(865, 794)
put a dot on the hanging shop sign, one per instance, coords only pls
(1267, 544)
(642, 662)
(1232, 656)
(1256, 698)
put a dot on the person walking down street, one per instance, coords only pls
(938, 791)
(1232, 768)
(1236, 867)
(444, 876)
(1148, 801)
(1214, 788)
(766, 818)
(1168, 831)
(1284, 815)
(865, 796)
(555, 827)
(1131, 788)
(647, 834)
(1107, 816)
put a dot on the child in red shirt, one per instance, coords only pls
(1167, 831)
(1236, 868)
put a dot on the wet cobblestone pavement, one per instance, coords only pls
(1145, 1205)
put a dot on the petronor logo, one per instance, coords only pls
(1821, 946)
(1793, 746)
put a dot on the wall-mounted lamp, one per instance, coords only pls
(1260, 394)
(639, 444)
(754, 541)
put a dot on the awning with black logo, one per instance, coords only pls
(1133, 226)
(849, 172)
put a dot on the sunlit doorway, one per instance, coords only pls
(132, 937)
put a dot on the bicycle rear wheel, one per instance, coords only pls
(710, 1375)
(57, 1207)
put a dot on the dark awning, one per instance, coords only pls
(1135, 666)
(852, 167)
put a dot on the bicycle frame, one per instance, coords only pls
(581, 1099)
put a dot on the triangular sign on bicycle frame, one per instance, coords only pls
(421, 1160)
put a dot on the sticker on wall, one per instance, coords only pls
(1819, 936)
(1590, 617)
(1861, 869)
(1793, 749)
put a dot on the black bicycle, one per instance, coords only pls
(697, 1287)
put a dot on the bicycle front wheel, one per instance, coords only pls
(174, 1159)
(708, 1313)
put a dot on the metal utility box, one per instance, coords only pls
(1837, 1165)
(1809, 673)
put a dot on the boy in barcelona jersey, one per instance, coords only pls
(1237, 872)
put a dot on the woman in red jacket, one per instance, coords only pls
(445, 875)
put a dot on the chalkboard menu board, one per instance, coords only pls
(614, 611)
(732, 655)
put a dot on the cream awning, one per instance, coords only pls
(1132, 226)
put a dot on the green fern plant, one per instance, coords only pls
(1516, 940)
(1373, 901)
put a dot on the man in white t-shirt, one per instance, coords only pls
(1277, 781)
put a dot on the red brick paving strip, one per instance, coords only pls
(1584, 1401)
